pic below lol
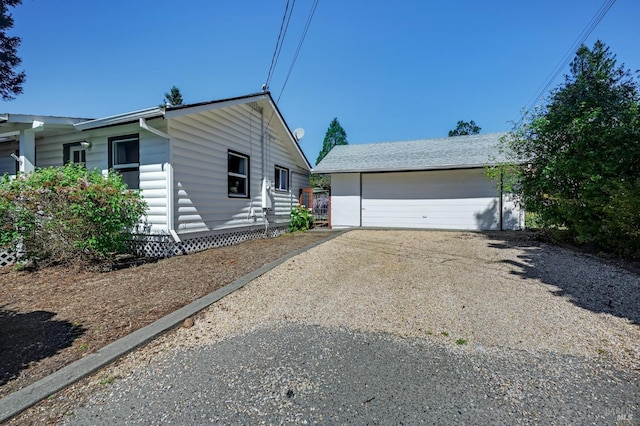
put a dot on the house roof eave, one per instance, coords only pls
(402, 169)
(125, 118)
(176, 111)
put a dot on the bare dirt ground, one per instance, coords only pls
(52, 317)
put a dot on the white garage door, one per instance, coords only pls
(448, 199)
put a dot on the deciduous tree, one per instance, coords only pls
(465, 128)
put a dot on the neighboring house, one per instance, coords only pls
(429, 183)
(212, 173)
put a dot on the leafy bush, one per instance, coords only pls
(301, 219)
(64, 215)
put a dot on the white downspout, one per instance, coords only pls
(169, 175)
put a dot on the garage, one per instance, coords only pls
(427, 184)
(440, 199)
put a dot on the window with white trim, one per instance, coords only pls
(74, 153)
(124, 158)
(238, 175)
(281, 179)
(78, 155)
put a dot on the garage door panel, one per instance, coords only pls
(437, 199)
(467, 213)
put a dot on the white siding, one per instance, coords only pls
(451, 199)
(201, 142)
(345, 200)
(154, 156)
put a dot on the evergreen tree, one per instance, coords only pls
(578, 156)
(335, 136)
(173, 98)
(10, 81)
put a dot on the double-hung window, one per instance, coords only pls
(238, 175)
(282, 179)
(124, 158)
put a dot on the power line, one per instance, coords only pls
(280, 41)
(586, 32)
(302, 37)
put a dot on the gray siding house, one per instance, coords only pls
(427, 183)
(212, 173)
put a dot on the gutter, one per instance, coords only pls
(400, 169)
(114, 120)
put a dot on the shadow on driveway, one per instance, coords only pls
(585, 280)
(29, 337)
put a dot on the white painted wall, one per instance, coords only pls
(345, 200)
(201, 142)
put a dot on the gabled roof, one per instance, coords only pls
(168, 112)
(11, 124)
(424, 154)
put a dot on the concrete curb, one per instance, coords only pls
(22, 399)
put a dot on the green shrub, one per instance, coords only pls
(301, 219)
(67, 215)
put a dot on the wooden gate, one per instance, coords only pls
(319, 201)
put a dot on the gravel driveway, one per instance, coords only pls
(397, 326)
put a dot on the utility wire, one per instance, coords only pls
(586, 32)
(280, 41)
(302, 37)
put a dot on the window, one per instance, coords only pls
(238, 175)
(124, 157)
(78, 155)
(74, 153)
(282, 179)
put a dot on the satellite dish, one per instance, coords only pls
(298, 133)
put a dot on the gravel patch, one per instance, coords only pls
(492, 293)
(458, 327)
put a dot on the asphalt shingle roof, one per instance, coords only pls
(423, 154)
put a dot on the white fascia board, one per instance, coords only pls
(44, 119)
(401, 169)
(128, 117)
(209, 106)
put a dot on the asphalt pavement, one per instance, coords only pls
(311, 374)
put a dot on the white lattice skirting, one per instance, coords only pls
(7, 258)
(161, 245)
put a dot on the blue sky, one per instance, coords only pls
(389, 71)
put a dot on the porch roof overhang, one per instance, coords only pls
(11, 125)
